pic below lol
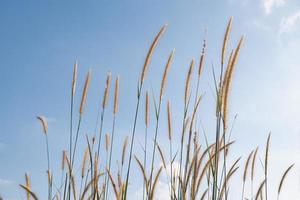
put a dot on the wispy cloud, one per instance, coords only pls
(288, 23)
(270, 4)
(2, 145)
(5, 183)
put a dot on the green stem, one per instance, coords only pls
(154, 144)
(132, 140)
(110, 154)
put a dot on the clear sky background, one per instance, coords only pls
(40, 40)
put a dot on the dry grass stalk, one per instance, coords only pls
(225, 40)
(152, 192)
(72, 179)
(185, 126)
(106, 91)
(74, 79)
(246, 166)
(116, 99)
(113, 184)
(84, 162)
(88, 186)
(32, 194)
(84, 93)
(161, 156)
(283, 178)
(190, 137)
(169, 121)
(208, 164)
(246, 172)
(188, 82)
(204, 194)
(231, 171)
(50, 177)
(202, 58)
(107, 141)
(267, 153)
(96, 159)
(150, 53)
(73, 184)
(253, 164)
(144, 174)
(227, 72)
(189, 171)
(259, 191)
(63, 160)
(167, 69)
(27, 181)
(44, 123)
(124, 147)
(266, 165)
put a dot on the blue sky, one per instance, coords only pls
(41, 40)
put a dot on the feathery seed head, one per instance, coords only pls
(74, 78)
(150, 53)
(187, 83)
(116, 95)
(164, 79)
(84, 93)
(106, 91)
(225, 40)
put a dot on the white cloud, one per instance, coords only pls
(269, 4)
(288, 23)
(161, 193)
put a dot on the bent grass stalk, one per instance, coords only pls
(266, 166)
(282, 179)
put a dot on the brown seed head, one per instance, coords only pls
(84, 161)
(150, 53)
(44, 123)
(27, 180)
(228, 79)
(124, 149)
(84, 93)
(188, 82)
(63, 160)
(74, 79)
(246, 167)
(107, 140)
(116, 95)
(201, 63)
(164, 79)
(225, 40)
(106, 91)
